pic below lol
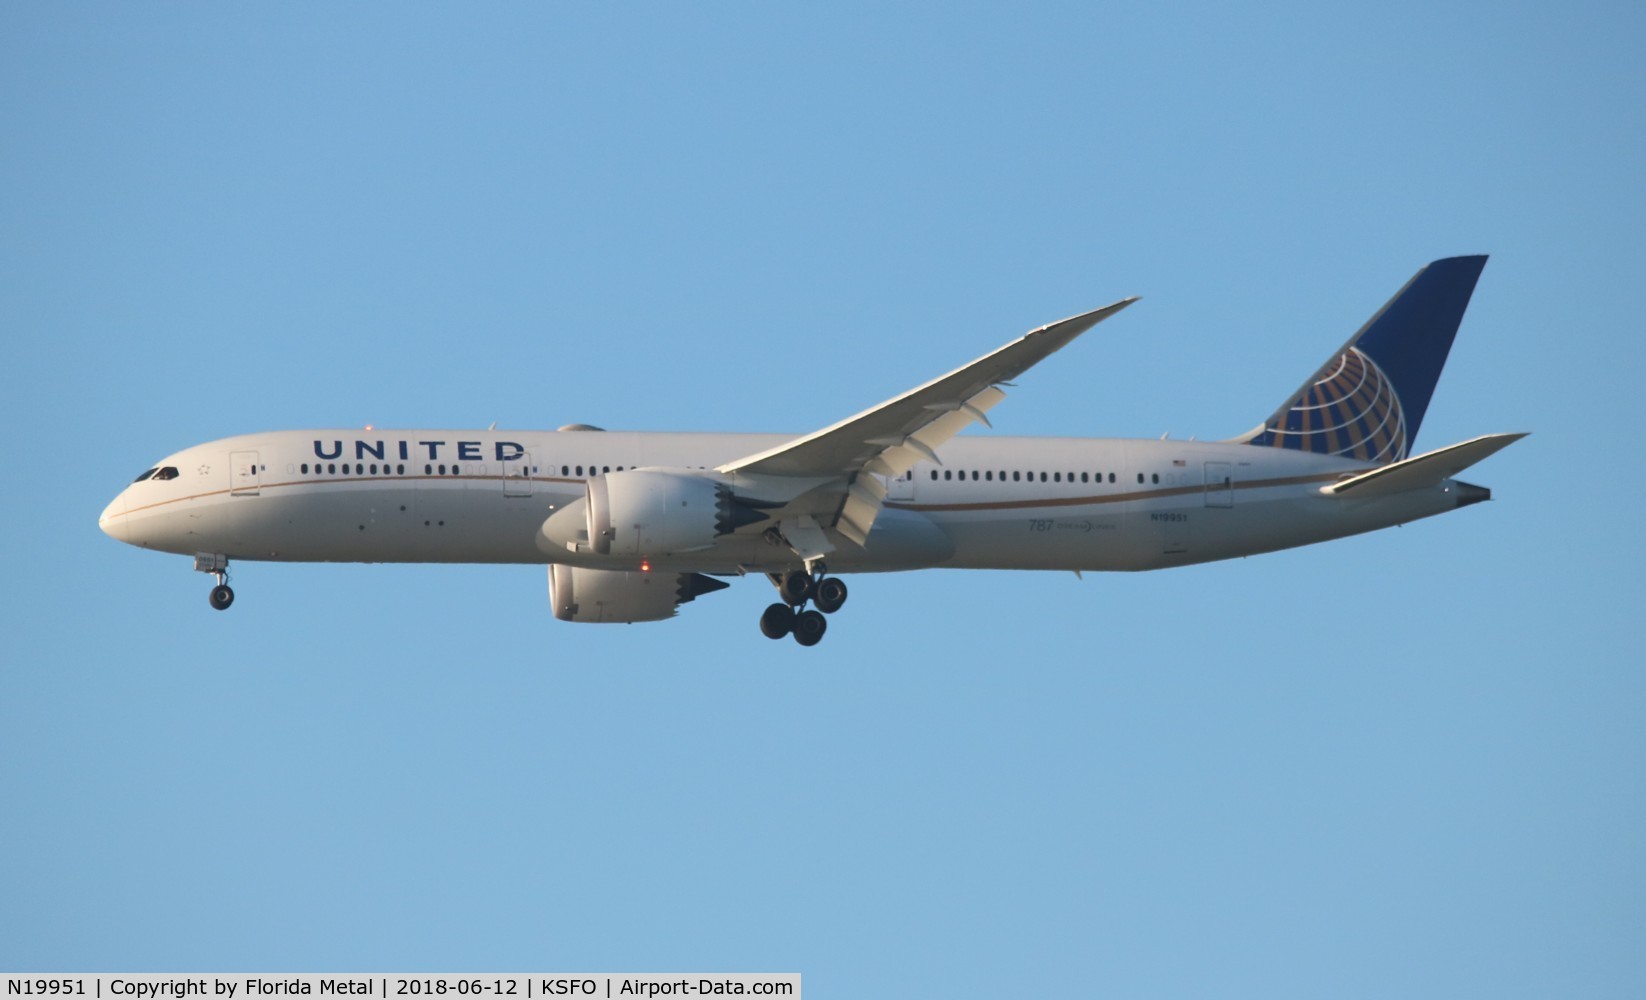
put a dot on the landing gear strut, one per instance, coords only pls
(791, 617)
(218, 566)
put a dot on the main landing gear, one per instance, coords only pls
(218, 566)
(791, 617)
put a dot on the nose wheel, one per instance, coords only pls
(218, 566)
(791, 616)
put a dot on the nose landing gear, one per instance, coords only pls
(791, 617)
(218, 566)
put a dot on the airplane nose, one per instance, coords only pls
(113, 518)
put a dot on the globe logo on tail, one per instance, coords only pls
(1351, 411)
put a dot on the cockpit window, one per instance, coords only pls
(145, 475)
(169, 472)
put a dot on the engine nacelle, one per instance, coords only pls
(658, 513)
(650, 513)
(604, 595)
(647, 513)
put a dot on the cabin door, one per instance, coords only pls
(1219, 484)
(245, 475)
(901, 488)
(517, 477)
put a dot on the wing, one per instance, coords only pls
(891, 438)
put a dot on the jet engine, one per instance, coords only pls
(649, 513)
(604, 595)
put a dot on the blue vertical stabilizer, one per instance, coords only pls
(1369, 399)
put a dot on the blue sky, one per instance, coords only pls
(1403, 764)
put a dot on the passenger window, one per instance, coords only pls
(934, 475)
(948, 475)
(1042, 477)
(1057, 477)
(988, 476)
(1017, 477)
(428, 470)
(1156, 478)
(1083, 477)
(374, 468)
(442, 469)
(1140, 477)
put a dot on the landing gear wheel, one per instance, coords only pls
(777, 621)
(222, 597)
(830, 595)
(797, 588)
(809, 627)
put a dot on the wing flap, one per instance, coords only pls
(861, 507)
(903, 453)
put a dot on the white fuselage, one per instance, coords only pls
(993, 503)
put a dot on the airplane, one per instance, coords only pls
(633, 525)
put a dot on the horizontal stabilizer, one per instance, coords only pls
(1423, 471)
